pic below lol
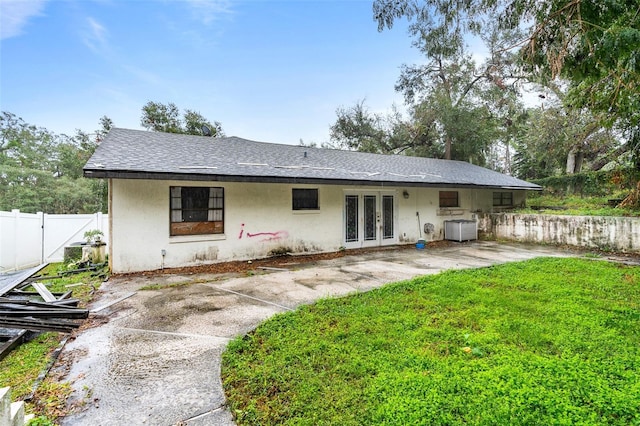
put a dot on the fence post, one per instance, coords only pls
(41, 216)
(99, 222)
(16, 225)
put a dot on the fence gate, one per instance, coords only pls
(29, 239)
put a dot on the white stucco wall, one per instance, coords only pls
(258, 219)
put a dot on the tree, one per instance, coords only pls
(105, 125)
(357, 128)
(25, 146)
(166, 118)
(557, 140)
(42, 171)
(459, 92)
(593, 44)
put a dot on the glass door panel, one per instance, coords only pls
(370, 226)
(387, 217)
(351, 218)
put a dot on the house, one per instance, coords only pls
(181, 200)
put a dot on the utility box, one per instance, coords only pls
(460, 230)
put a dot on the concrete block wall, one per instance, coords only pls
(608, 233)
(11, 413)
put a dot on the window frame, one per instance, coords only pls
(296, 207)
(445, 197)
(502, 196)
(214, 223)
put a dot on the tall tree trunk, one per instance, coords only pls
(579, 162)
(447, 147)
(507, 159)
(571, 161)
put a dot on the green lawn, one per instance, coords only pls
(546, 341)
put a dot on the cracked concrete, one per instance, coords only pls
(156, 361)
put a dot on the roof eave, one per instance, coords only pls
(202, 177)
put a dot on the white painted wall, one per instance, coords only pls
(29, 239)
(258, 220)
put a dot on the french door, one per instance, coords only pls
(369, 219)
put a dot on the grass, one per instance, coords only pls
(575, 206)
(21, 368)
(546, 341)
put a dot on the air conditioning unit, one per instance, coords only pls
(460, 230)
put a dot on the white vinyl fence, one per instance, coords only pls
(29, 239)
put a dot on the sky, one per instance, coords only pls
(273, 71)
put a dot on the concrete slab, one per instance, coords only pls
(157, 359)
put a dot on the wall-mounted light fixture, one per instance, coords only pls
(405, 194)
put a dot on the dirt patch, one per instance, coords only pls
(274, 262)
(94, 320)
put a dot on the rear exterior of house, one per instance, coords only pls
(177, 200)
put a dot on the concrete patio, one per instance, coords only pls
(153, 357)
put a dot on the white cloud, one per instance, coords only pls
(15, 15)
(95, 36)
(208, 11)
(144, 76)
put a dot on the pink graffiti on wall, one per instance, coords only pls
(266, 236)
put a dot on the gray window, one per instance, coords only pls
(503, 199)
(304, 199)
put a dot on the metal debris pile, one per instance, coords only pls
(23, 310)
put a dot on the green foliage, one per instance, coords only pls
(93, 235)
(547, 341)
(26, 146)
(574, 205)
(21, 367)
(591, 44)
(598, 183)
(457, 93)
(356, 128)
(61, 278)
(33, 190)
(41, 171)
(554, 135)
(472, 106)
(603, 61)
(159, 117)
(40, 421)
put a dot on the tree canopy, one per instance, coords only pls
(593, 44)
(42, 171)
(582, 56)
(161, 117)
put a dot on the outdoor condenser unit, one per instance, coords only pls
(460, 230)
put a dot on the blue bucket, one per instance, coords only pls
(420, 245)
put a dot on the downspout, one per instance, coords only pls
(110, 213)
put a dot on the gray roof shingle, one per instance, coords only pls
(134, 154)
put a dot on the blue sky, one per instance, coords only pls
(267, 70)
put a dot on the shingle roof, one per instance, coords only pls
(131, 154)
